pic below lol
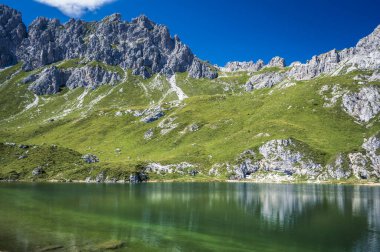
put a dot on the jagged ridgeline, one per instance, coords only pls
(117, 101)
(140, 45)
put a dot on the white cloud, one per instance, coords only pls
(75, 8)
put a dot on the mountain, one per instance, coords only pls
(116, 101)
(140, 45)
(12, 32)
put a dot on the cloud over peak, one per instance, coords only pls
(75, 8)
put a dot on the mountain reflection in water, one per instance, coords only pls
(191, 216)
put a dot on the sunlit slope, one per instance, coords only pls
(228, 119)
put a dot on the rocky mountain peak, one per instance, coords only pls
(370, 42)
(144, 21)
(140, 45)
(7, 15)
(116, 17)
(43, 23)
(251, 66)
(234, 66)
(12, 32)
(277, 62)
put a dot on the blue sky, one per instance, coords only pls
(221, 30)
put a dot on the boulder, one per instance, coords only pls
(152, 114)
(193, 173)
(90, 158)
(149, 134)
(138, 177)
(100, 178)
(38, 171)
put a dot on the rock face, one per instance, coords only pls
(364, 56)
(140, 45)
(339, 169)
(200, 69)
(331, 95)
(359, 164)
(91, 77)
(281, 155)
(366, 165)
(323, 63)
(372, 146)
(52, 79)
(277, 62)
(277, 156)
(250, 66)
(363, 105)
(265, 80)
(12, 33)
(281, 160)
(100, 178)
(259, 80)
(236, 66)
(375, 76)
(246, 167)
(370, 43)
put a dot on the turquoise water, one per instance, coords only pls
(190, 217)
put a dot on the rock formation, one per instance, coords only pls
(281, 160)
(364, 56)
(265, 80)
(236, 66)
(363, 105)
(140, 45)
(276, 62)
(12, 33)
(91, 77)
(52, 79)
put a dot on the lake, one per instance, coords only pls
(189, 217)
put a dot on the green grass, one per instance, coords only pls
(273, 69)
(109, 68)
(6, 73)
(71, 63)
(222, 85)
(74, 63)
(229, 120)
(54, 160)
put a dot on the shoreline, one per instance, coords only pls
(195, 181)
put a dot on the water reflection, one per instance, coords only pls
(176, 216)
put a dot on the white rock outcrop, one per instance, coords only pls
(363, 105)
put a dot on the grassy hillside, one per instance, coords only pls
(228, 119)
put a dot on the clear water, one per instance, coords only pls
(190, 217)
